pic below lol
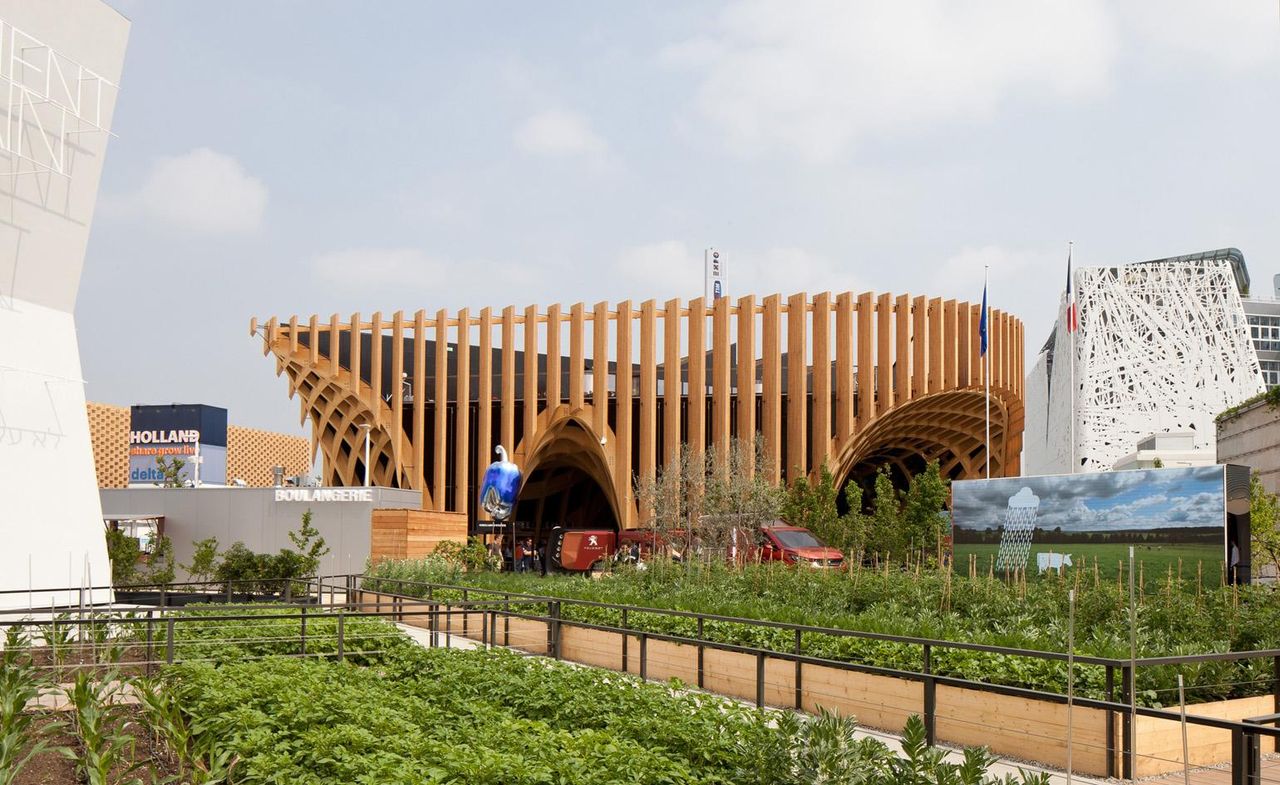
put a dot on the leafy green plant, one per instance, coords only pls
(201, 760)
(204, 559)
(20, 683)
(106, 750)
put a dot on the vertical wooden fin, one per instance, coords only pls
(797, 386)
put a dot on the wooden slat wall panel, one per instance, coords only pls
(934, 318)
(697, 429)
(672, 384)
(902, 353)
(866, 361)
(577, 354)
(884, 355)
(553, 356)
(484, 408)
(844, 367)
(648, 390)
(771, 384)
(797, 389)
(462, 436)
(530, 367)
(720, 377)
(293, 335)
(747, 379)
(964, 335)
(820, 436)
(441, 454)
(375, 365)
(622, 454)
(600, 368)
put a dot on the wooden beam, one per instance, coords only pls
(397, 371)
(509, 378)
(622, 449)
(648, 391)
(375, 365)
(335, 346)
(353, 338)
(440, 458)
(673, 384)
(747, 380)
(820, 436)
(771, 385)
(935, 344)
(720, 377)
(600, 369)
(420, 404)
(902, 350)
(313, 341)
(884, 355)
(529, 406)
(919, 347)
(484, 407)
(697, 429)
(462, 423)
(553, 357)
(577, 353)
(866, 361)
(844, 367)
(797, 387)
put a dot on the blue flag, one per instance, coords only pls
(982, 323)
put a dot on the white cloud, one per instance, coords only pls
(201, 191)
(812, 77)
(1233, 34)
(674, 269)
(410, 271)
(558, 133)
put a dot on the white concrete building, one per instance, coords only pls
(60, 63)
(1162, 348)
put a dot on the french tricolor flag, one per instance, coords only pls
(1072, 322)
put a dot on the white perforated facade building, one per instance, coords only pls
(1162, 347)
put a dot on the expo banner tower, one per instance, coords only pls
(60, 63)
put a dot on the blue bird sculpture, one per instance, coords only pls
(500, 487)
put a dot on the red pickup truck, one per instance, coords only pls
(581, 550)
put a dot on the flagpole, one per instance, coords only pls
(986, 376)
(1072, 333)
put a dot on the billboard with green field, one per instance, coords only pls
(1182, 524)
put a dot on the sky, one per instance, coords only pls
(279, 157)
(1159, 499)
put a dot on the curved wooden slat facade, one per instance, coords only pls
(904, 384)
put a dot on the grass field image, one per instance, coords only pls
(1153, 562)
(1175, 519)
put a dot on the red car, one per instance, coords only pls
(796, 545)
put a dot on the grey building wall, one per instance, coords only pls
(254, 517)
(1252, 438)
(1264, 330)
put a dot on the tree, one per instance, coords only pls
(1264, 518)
(709, 495)
(170, 471)
(311, 546)
(1157, 463)
(884, 529)
(204, 559)
(815, 507)
(124, 552)
(922, 522)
